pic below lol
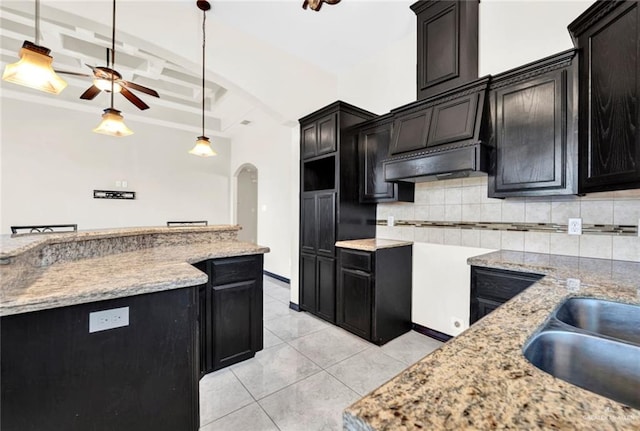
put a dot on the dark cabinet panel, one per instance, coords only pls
(355, 302)
(447, 45)
(453, 121)
(374, 292)
(534, 132)
(608, 35)
(327, 134)
(491, 288)
(308, 282)
(56, 375)
(308, 140)
(326, 288)
(308, 235)
(410, 131)
(326, 222)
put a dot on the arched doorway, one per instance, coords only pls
(246, 205)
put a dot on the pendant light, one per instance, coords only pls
(34, 67)
(203, 146)
(112, 121)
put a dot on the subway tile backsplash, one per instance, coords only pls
(465, 201)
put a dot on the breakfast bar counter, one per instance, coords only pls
(480, 380)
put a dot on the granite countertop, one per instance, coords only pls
(371, 244)
(480, 380)
(25, 287)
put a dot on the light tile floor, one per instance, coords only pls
(308, 372)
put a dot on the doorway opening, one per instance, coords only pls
(246, 205)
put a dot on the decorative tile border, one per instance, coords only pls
(587, 229)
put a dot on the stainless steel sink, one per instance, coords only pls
(593, 344)
(600, 365)
(611, 319)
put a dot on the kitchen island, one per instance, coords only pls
(62, 369)
(480, 380)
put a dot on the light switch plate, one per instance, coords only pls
(108, 319)
(391, 221)
(574, 226)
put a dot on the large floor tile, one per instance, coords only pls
(274, 309)
(282, 294)
(249, 418)
(367, 370)
(329, 346)
(270, 339)
(294, 325)
(313, 404)
(411, 347)
(221, 393)
(273, 369)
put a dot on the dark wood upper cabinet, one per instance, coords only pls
(453, 120)
(447, 44)
(534, 129)
(374, 138)
(410, 131)
(318, 137)
(608, 37)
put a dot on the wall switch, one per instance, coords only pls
(124, 183)
(108, 319)
(391, 221)
(574, 226)
(118, 183)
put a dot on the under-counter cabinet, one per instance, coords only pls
(534, 112)
(57, 375)
(230, 311)
(490, 288)
(330, 209)
(374, 139)
(608, 38)
(374, 288)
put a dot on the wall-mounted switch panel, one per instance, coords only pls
(391, 221)
(574, 227)
(108, 319)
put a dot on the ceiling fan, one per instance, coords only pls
(106, 78)
(317, 4)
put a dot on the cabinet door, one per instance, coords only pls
(373, 148)
(309, 141)
(327, 134)
(308, 282)
(326, 288)
(326, 223)
(308, 223)
(355, 302)
(609, 95)
(531, 139)
(453, 121)
(484, 307)
(234, 320)
(410, 131)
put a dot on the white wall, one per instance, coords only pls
(52, 162)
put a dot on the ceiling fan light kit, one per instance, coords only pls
(34, 67)
(113, 124)
(317, 4)
(203, 146)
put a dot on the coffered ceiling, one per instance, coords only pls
(78, 33)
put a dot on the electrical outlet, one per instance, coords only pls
(574, 226)
(108, 319)
(391, 221)
(573, 284)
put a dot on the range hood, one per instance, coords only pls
(445, 136)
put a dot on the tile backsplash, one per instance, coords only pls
(465, 200)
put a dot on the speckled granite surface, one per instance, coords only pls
(26, 287)
(371, 244)
(480, 380)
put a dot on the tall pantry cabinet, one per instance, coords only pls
(330, 210)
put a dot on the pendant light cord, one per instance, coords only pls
(113, 49)
(37, 22)
(204, 42)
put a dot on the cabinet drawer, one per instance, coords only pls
(501, 285)
(356, 260)
(234, 269)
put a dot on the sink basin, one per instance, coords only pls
(600, 365)
(611, 319)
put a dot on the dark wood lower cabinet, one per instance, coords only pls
(318, 280)
(56, 375)
(374, 292)
(490, 288)
(231, 316)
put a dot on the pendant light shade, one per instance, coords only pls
(34, 67)
(203, 146)
(113, 124)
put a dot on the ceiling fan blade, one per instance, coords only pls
(91, 67)
(91, 93)
(139, 87)
(134, 99)
(66, 72)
